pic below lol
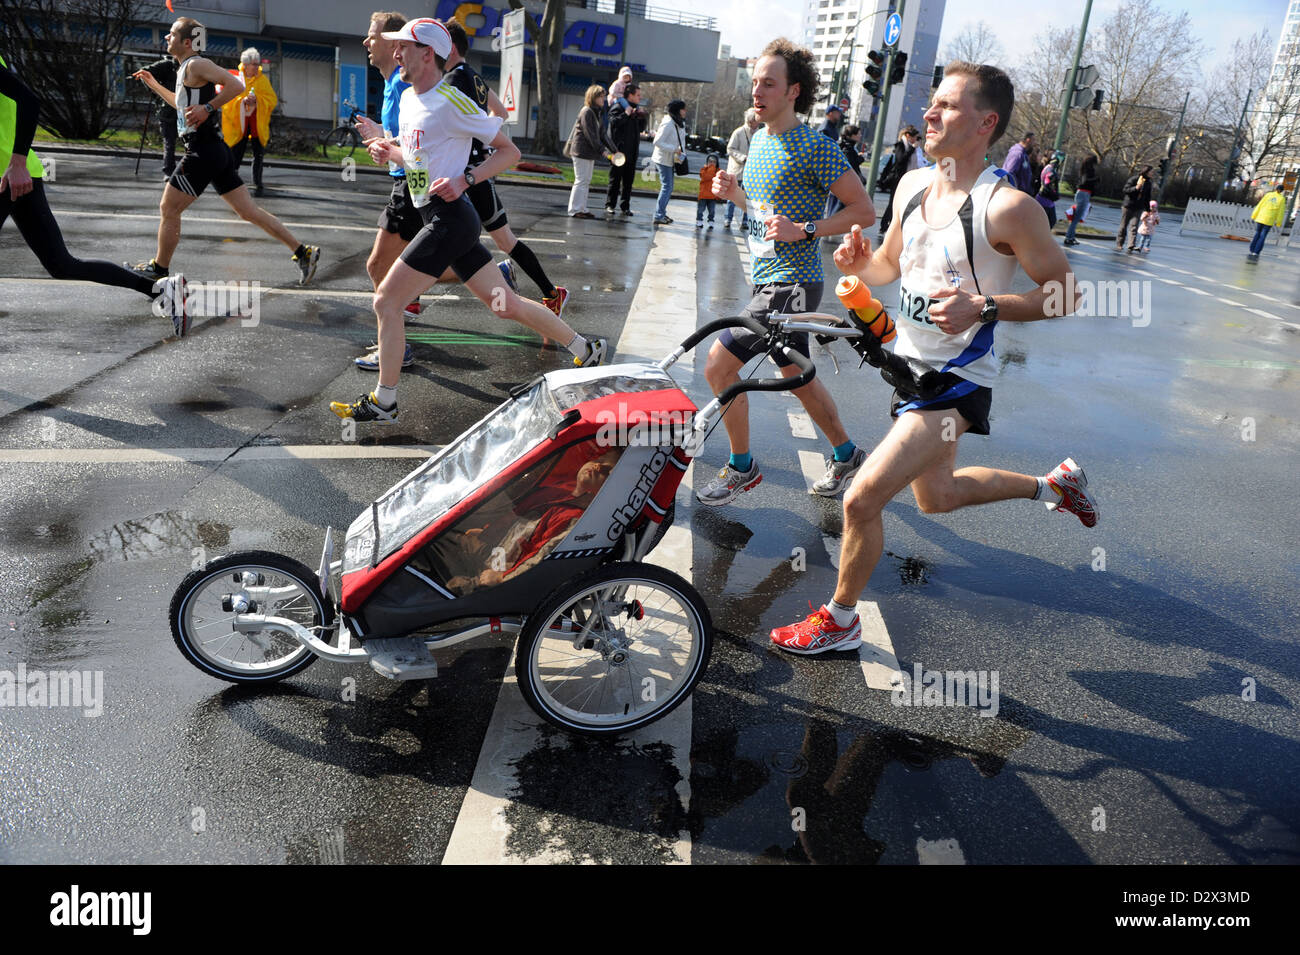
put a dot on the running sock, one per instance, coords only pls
(299, 252)
(742, 462)
(1043, 487)
(525, 259)
(385, 396)
(843, 615)
(844, 451)
(578, 347)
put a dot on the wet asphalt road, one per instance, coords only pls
(1121, 734)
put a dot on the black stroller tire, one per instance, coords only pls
(603, 695)
(199, 590)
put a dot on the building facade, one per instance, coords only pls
(1279, 105)
(841, 33)
(317, 63)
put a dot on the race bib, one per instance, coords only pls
(914, 308)
(417, 180)
(759, 247)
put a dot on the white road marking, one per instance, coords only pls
(310, 291)
(801, 425)
(876, 655)
(813, 466)
(1198, 291)
(665, 292)
(286, 452)
(939, 852)
(233, 220)
(1263, 314)
(1228, 301)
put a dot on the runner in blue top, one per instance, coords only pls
(789, 173)
(399, 222)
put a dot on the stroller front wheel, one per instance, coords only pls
(614, 650)
(272, 585)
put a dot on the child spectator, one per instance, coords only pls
(706, 200)
(1147, 227)
(617, 94)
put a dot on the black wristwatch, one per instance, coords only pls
(209, 108)
(989, 313)
(469, 178)
(810, 229)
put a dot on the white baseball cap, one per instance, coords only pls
(424, 30)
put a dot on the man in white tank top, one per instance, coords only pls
(959, 232)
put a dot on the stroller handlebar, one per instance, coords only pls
(807, 371)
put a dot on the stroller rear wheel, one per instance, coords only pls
(205, 604)
(614, 650)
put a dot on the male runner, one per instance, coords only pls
(955, 245)
(790, 170)
(438, 125)
(483, 194)
(207, 158)
(22, 195)
(400, 222)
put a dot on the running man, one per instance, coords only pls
(955, 246)
(438, 126)
(207, 158)
(22, 195)
(790, 170)
(483, 194)
(400, 221)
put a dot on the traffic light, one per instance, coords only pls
(874, 71)
(1169, 147)
(1164, 169)
(896, 75)
(1097, 97)
(938, 78)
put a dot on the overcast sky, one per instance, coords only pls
(748, 25)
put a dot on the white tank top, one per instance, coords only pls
(938, 256)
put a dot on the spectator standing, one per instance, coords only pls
(1048, 191)
(247, 118)
(1088, 180)
(831, 128)
(903, 160)
(1269, 211)
(705, 200)
(164, 71)
(849, 141)
(1018, 166)
(1137, 194)
(1150, 219)
(670, 149)
(737, 153)
(587, 142)
(626, 124)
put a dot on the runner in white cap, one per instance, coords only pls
(438, 126)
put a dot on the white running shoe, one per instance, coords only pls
(1068, 480)
(172, 293)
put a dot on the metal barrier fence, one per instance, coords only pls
(1221, 218)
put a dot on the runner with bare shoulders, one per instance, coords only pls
(955, 245)
(207, 157)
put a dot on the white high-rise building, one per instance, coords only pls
(840, 33)
(1280, 98)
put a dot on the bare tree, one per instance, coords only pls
(65, 51)
(976, 43)
(548, 41)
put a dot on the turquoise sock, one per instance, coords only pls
(845, 451)
(742, 462)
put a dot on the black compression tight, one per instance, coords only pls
(31, 213)
(532, 268)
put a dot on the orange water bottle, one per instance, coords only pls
(856, 297)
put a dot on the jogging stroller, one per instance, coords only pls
(536, 521)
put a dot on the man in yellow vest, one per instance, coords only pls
(247, 118)
(1270, 211)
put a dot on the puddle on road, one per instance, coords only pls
(912, 570)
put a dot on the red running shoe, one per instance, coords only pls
(818, 633)
(1068, 479)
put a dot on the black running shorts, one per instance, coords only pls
(449, 238)
(483, 195)
(774, 298)
(207, 160)
(399, 216)
(968, 399)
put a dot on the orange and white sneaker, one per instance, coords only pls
(818, 633)
(1068, 480)
(556, 302)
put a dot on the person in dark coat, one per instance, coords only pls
(1088, 179)
(903, 161)
(164, 71)
(625, 129)
(1137, 196)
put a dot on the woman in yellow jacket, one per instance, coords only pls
(247, 118)
(1270, 211)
